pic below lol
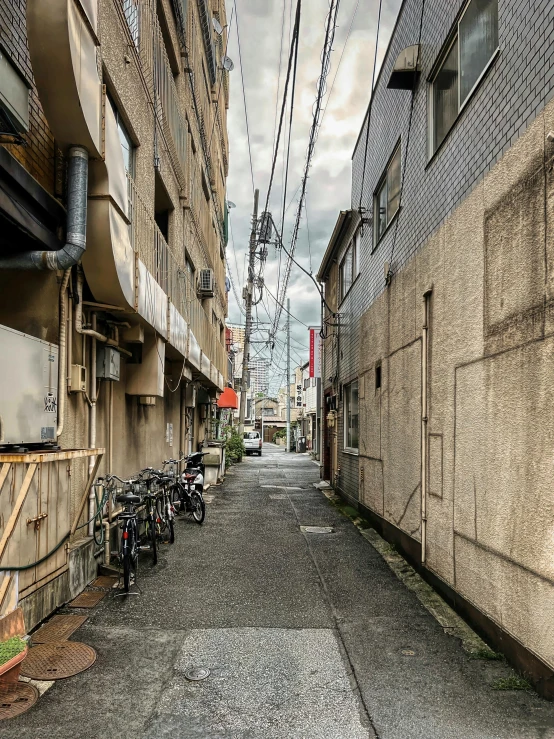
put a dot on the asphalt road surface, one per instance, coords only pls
(306, 636)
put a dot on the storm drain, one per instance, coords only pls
(56, 660)
(104, 582)
(317, 529)
(16, 698)
(59, 628)
(88, 599)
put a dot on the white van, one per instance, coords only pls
(253, 442)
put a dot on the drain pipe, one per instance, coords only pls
(68, 255)
(79, 312)
(62, 334)
(424, 421)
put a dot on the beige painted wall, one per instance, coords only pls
(490, 443)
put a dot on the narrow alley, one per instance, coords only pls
(306, 636)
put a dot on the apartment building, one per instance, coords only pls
(113, 166)
(437, 358)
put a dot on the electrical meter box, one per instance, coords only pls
(28, 389)
(108, 361)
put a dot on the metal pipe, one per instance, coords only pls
(92, 421)
(69, 341)
(110, 443)
(76, 231)
(62, 355)
(107, 553)
(424, 420)
(79, 312)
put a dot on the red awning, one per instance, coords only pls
(228, 399)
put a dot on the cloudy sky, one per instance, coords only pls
(260, 23)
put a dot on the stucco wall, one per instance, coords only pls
(490, 529)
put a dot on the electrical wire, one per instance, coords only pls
(331, 25)
(244, 97)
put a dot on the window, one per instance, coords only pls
(131, 13)
(127, 146)
(345, 273)
(377, 377)
(356, 254)
(465, 61)
(351, 416)
(387, 196)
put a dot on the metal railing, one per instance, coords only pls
(169, 271)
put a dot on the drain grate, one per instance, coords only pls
(317, 529)
(56, 660)
(16, 698)
(59, 628)
(197, 673)
(88, 599)
(104, 581)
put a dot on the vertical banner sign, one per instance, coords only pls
(315, 352)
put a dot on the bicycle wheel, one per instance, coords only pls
(153, 539)
(177, 499)
(198, 507)
(126, 572)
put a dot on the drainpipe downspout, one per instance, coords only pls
(424, 422)
(62, 390)
(76, 235)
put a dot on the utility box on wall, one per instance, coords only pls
(28, 389)
(108, 363)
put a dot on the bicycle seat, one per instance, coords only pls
(128, 499)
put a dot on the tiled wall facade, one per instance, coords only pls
(39, 155)
(515, 89)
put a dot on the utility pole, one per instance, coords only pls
(288, 374)
(248, 327)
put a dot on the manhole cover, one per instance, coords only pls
(197, 673)
(317, 529)
(16, 698)
(56, 660)
(104, 581)
(88, 599)
(59, 628)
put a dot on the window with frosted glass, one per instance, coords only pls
(351, 416)
(467, 58)
(387, 197)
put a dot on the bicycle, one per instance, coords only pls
(129, 549)
(187, 490)
(150, 519)
(165, 511)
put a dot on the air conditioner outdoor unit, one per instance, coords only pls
(206, 283)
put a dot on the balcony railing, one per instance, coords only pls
(170, 273)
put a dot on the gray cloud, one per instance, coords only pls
(330, 176)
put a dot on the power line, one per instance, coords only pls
(244, 97)
(330, 28)
(292, 55)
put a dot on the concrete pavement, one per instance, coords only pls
(305, 635)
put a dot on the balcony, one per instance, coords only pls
(169, 271)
